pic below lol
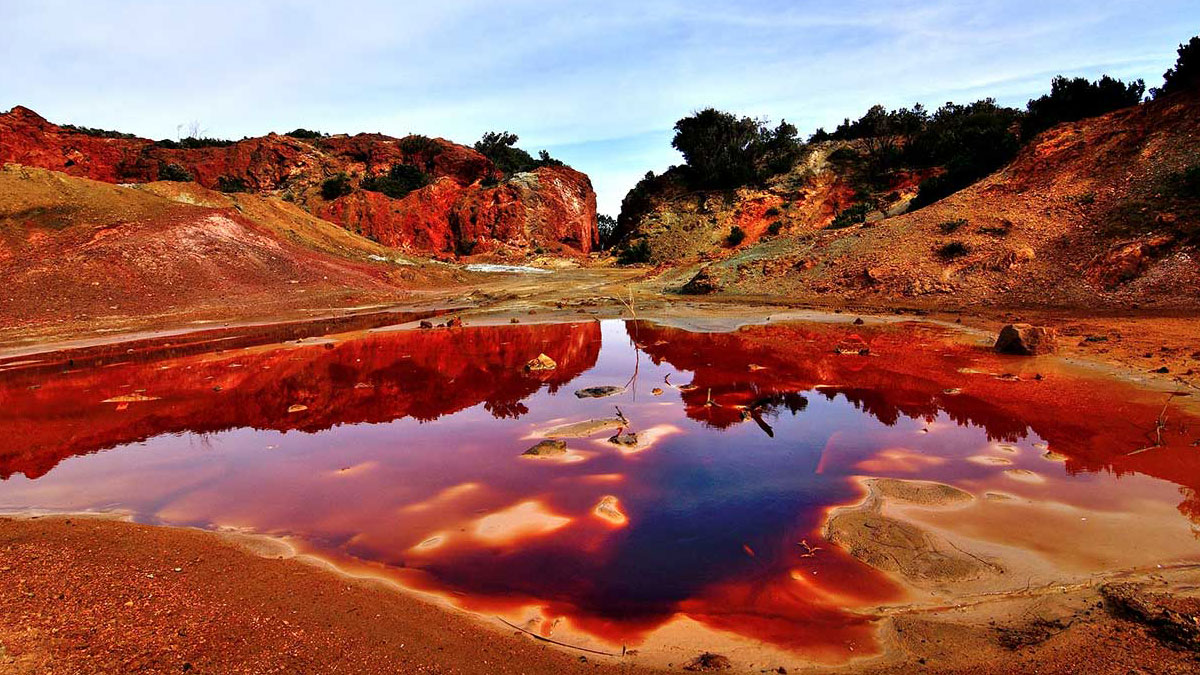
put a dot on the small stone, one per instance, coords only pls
(656, 391)
(426, 325)
(298, 407)
(859, 322)
(547, 448)
(599, 392)
(708, 662)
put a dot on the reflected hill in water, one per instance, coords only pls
(57, 410)
(912, 371)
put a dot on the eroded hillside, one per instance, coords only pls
(458, 204)
(1091, 214)
(81, 255)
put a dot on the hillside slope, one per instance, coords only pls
(80, 255)
(1098, 213)
(468, 207)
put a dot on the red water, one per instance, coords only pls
(406, 454)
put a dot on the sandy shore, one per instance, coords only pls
(99, 595)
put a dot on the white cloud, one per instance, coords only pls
(599, 83)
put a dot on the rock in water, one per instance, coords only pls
(1025, 339)
(547, 448)
(629, 439)
(609, 509)
(599, 392)
(541, 363)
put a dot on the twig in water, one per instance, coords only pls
(553, 642)
(1160, 423)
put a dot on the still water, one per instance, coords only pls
(402, 450)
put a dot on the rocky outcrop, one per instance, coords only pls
(1024, 339)
(468, 207)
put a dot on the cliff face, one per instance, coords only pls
(467, 208)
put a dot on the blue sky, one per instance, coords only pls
(599, 84)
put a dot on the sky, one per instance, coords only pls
(598, 84)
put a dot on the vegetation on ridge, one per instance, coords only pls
(501, 148)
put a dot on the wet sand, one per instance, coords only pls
(100, 595)
(96, 595)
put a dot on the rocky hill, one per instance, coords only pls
(1104, 212)
(467, 207)
(80, 255)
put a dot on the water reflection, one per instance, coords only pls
(411, 448)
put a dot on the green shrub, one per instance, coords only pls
(99, 133)
(853, 215)
(501, 148)
(952, 225)
(997, 231)
(774, 228)
(771, 212)
(952, 250)
(632, 254)
(735, 236)
(192, 143)
(1072, 99)
(465, 246)
(416, 144)
(398, 182)
(232, 184)
(843, 155)
(173, 172)
(305, 133)
(336, 186)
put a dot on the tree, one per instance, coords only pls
(718, 148)
(724, 151)
(501, 148)
(1185, 75)
(970, 141)
(606, 226)
(1072, 99)
(781, 148)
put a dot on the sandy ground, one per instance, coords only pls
(99, 595)
(91, 595)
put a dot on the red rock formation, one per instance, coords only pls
(552, 208)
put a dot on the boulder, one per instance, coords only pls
(703, 283)
(1023, 339)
